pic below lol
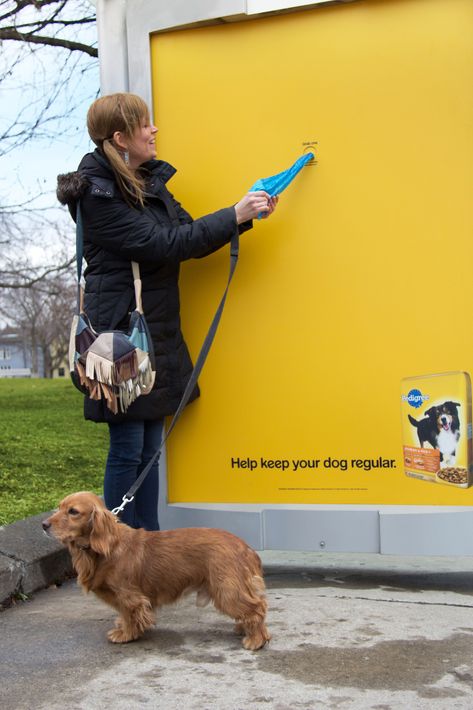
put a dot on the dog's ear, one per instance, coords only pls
(431, 413)
(103, 535)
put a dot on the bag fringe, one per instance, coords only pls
(125, 368)
(121, 382)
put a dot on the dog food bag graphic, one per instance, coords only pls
(436, 426)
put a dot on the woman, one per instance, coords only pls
(128, 214)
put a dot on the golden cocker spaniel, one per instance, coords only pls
(136, 571)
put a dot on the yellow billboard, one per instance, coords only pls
(359, 282)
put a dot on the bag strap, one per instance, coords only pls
(207, 344)
(80, 257)
(137, 282)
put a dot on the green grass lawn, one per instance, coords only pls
(47, 449)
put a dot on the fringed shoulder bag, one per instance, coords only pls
(114, 365)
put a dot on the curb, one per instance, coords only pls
(29, 560)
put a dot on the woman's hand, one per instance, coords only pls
(253, 204)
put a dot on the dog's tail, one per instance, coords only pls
(413, 421)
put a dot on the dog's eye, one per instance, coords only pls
(73, 511)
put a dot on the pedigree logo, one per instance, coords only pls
(415, 398)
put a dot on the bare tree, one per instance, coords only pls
(35, 248)
(44, 22)
(48, 57)
(48, 46)
(41, 315)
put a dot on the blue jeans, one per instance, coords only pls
(132, 445)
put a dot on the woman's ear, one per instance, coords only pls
(104, 531)
(120, 140)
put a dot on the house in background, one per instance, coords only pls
(60, 363)
(16, 356)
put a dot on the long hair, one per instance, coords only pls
(118, 112)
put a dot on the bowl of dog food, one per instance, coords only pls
(453, 476)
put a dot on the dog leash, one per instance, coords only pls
(274, 185)
(207, 344)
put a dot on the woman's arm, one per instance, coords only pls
(134, 235)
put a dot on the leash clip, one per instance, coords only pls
(124, 502)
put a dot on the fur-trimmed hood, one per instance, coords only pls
(71, 187)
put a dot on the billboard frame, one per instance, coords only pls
(124, 28)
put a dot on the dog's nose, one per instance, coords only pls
(46, 525)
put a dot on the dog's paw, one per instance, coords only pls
(254, 643)
(118, 636)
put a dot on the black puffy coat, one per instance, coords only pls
(158, 236)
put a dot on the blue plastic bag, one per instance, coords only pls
(275, 184)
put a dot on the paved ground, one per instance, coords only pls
(349, 632)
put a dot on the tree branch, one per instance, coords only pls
(63, 23)
(12, 34)
(28, 283)
(19, 6)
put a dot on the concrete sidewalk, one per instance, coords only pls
(349, 632)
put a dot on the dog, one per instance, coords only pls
(136, 571)
(441, 429)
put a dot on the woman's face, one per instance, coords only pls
(142, 146)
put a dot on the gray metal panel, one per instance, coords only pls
(113, 45)
(390, 531)
(322, 530)
(411, 530)
(433, 533)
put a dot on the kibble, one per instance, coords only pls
(452, 474)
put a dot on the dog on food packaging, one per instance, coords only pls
(440, 427)
(136, 571)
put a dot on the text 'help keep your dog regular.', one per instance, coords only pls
(300, 464)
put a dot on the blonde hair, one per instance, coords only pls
(118, 112)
